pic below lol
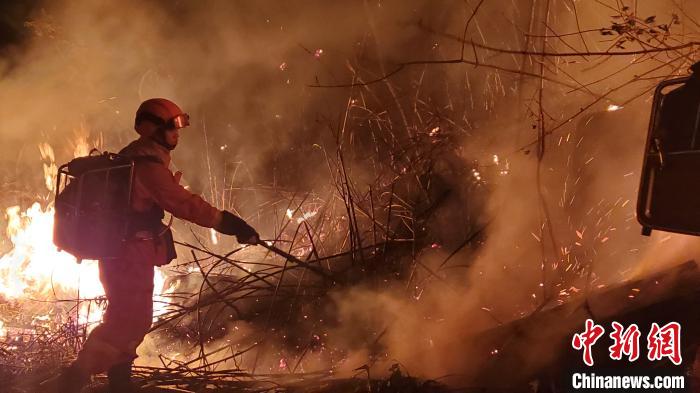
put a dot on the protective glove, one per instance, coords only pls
(233, 225)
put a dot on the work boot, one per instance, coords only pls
(120, 379)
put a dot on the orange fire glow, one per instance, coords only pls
(34, 270)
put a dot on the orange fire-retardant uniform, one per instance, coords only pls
(128, 280)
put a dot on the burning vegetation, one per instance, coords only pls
(433, 181)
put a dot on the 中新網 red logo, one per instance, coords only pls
(662, 342)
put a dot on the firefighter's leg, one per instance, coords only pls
(119, 377)
(128, 284)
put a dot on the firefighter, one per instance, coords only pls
(128, 281)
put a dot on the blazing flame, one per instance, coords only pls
(34, 270)
(50, 168)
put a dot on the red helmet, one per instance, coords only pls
(165, 114)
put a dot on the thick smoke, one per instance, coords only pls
(554, 237)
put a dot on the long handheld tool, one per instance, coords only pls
(299, 262)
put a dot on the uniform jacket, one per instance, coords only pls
(155, 187)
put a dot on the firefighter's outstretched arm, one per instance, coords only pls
(231, 224)
(185, 205)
